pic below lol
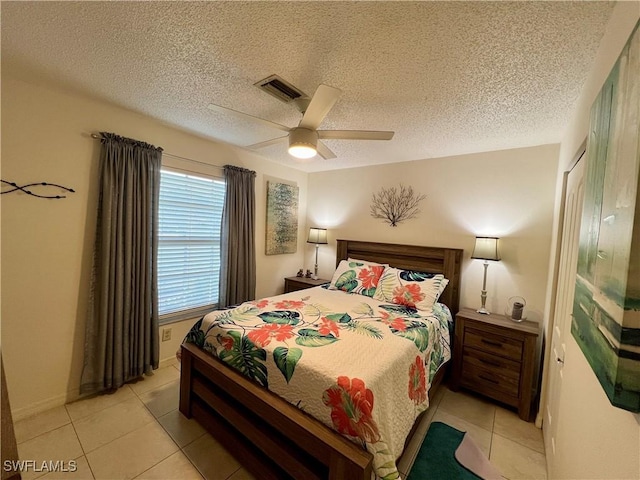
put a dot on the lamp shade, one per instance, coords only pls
(317, 235)
(486, 248)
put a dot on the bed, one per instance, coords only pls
(280, 437)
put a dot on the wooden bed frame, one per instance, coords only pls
(274, 439)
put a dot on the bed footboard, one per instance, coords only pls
(275, 439)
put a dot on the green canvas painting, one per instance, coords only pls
(606, 309)
(282, 218)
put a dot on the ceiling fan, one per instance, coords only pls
(305, 139)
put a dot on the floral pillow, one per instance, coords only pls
(407, 287)
(357, 276)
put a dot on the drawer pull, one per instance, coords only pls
(488, 379)
(488, 362)
(489, 342)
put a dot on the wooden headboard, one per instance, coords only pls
(411, 257)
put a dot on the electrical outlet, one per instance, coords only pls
(166, 334)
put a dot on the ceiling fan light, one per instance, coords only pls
(302, 142)
(302, 150)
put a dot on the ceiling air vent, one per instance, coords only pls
(279, 88)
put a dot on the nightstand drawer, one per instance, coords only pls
(496, 344)
(490, 362)
(293, 284)
(489, 380)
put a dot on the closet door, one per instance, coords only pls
(564, 302)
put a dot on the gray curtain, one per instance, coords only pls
(121, 339)
(238, 249)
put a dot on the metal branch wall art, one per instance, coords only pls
(395, 205)
(26, 189)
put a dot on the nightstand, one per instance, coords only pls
(495, 356)
(293, 284)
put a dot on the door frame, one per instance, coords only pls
(548, 332)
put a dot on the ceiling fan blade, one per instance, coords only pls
(267, 143)
(355, 135)
(246, 116)
(323, 100)
(324, 151)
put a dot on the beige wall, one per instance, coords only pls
(47, 244)
(507, 193)
(594, 440)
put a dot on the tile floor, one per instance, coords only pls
(138, 433)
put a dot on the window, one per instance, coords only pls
(190, 213)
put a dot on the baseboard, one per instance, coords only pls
(63, 399)
(42, 406)
(168, 361)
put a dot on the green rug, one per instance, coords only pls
(436, 458)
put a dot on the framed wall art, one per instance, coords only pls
(282, 218)
(606, 308)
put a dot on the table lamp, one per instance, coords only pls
(319, 237)
(486, 248)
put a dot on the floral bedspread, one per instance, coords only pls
(360, 366)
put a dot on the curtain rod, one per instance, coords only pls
(97, 136)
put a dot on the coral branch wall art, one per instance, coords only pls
(395, 205)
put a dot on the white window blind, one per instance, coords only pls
(190, 213)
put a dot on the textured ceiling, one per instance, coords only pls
(448, 77)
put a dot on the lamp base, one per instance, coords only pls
(315, 277)
(483, 310)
